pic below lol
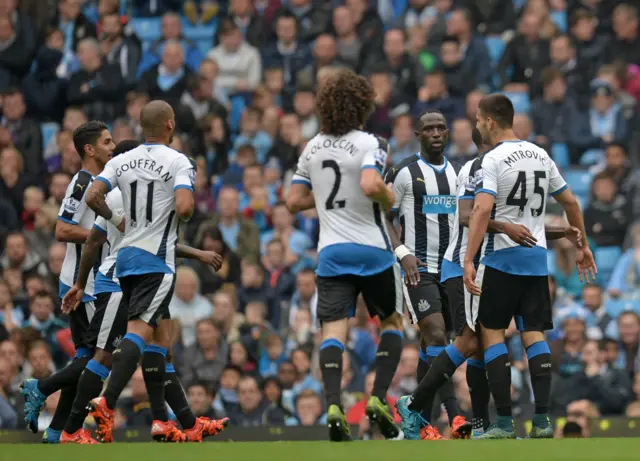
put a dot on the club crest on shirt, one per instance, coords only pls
(380, 157)
(478, 177)
(423, 305)
(192, 175)
(71, 205)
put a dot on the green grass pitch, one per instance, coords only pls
(511, 450)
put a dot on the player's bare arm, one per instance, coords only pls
(478, 223)
(70, 233)
(584, 259)
(90, 255)
(185, 204)
(96, 200)
(375, 189)
(300, 198)
(407, 260)
(209, 258)
(571, 233)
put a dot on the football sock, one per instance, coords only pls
(539, 356)
(331, 366)
(387, 359)
(479, 392)
(60, 416)
(89, 387)
(423, 365)
(67, 377)
(124, 364)
(153, 363)
(496, 358)
(176, 398)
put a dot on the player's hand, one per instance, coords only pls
(411, 274)
(520, 234)
(470, 279)
(72, 299)
(391, 197)
(574, 235)
(586, 265)
(211, 258)
(122, 224)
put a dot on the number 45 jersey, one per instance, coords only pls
(519, 175)
(353, 235)
(148, 177)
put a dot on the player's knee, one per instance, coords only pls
(102, 357)
(433, 333)
(531, 337)
(467, 344)
(335, 330)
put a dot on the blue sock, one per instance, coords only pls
(137, 340)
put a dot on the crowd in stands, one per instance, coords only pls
(241, 76)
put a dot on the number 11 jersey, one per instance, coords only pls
(148, 177)
(519, 175)
(353, 235)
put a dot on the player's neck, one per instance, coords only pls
(92, 167)
(155, 140)
(433, 159)
(506, 135)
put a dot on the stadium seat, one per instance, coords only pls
(560, 155)
(496, 48)
(48, 130)
(237, 108)
(606, 259)
(559, 19)
(579, 181)
(592, 157)
(521, 101)
(616, 306)
(147, 29)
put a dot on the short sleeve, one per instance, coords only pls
(376, 157)
(301, 176)
(557, 183)
(74, 205)
(466, 186)
(109, 176)
(184, 174)
(396, 178)
(100, 225)
(485, 178)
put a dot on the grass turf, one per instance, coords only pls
(517, 450)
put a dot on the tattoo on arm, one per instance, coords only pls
(96, 199)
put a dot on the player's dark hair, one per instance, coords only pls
(88, 133)
(498, 107)
(426, 112)
(344, 103)
(125, 146)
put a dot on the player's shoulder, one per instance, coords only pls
(466, 168)
(79, 183)
(395, 170)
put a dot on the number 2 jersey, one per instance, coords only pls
(353, 236)
(148, 177)
(519, 175)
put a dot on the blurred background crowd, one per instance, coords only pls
(241, 75)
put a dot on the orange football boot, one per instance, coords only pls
(430, 432)
(205, 427)
(103, 417)
(167, 431)
(79, 437)
(461, 428)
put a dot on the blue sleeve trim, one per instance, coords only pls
(562, 189)
(106, 181)
(98, 228)
(367, 167)
(303, 182)
(68, 221)
(486, 191)
(466, 197)
(183, 186)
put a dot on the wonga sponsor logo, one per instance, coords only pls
(439, 204)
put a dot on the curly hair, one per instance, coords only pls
(344, 103)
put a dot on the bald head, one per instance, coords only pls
(158, 121)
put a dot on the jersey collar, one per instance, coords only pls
(436, 168)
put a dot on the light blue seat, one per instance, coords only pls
(48, 131)
(559, 18)
(592, 157)
(148, 30)
(606, 259)
(579, 181)
(560, 155)
(615, 307)
(521, 101)
(237, 108)
(496, 47)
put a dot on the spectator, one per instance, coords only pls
(527, 54)
(562, 53)
(250, 21)
(300, 331)
(308, 411)
(171, 30)
(24, 133)
(566, 274)
(492, 17)
(602, 124)
(200, 396)
(599, 319)
(120, 49)
(288, 52)
(216, 144)
(325, 54)
(388, 104)
(252, 409)
(168, 80)
(356, 413)
(73, 23)
(473, 48)
(400, 64)
(626, 43)
(289, 143)
(212, 281)
(460, 81)
(18, 255)
(313, 20)
(39, 360)
(302, 379)
(204, 360)
(463, 148)
(200, 97)
(239, 357)
(552, 113)
(296, 242)
(522, 126)
(239, 63)
(304, 105)
(368, 25)
(306, 295)
(434, 96)
(227, 397)
(57, 252)
(272, 355)
(43, 320)
(96, 86)
(608, 213)
(279, 276)
(13, 181)
(239, 233)
(18, 44)
(136, 408)
(188, 304)
(629, 344)
(348, 42)
(590, 46)
(251, 132)
(403, 143)
(253, 287)
(8, 415)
